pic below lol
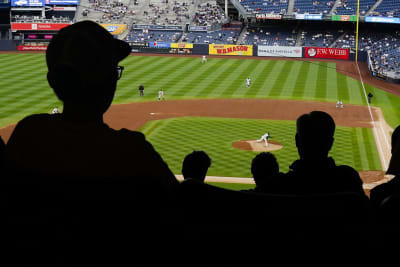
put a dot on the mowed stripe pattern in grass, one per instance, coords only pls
(175, 138)
(24, 89)
(183, 78)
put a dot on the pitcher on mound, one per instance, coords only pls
(265, 137)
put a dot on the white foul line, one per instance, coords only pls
(372, 119)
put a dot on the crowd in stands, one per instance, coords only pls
(387, 8)
(153, 36)
(313, 7)
(349, 7)
(80, 189)
(112, 11)
(215, 37)
(270, 36)
(50, 17)
(383, 47)
(267, 6)
(312, 37)
(208, 14)
(164, 13)
(385, 55)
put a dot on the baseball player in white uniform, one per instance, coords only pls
(203, 59)
(55, 111)
(339, 104)
(248, 82)
(265, 137)
(161, 95)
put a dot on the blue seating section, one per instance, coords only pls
(315, 7)
(266, 6)
(349, 7)
(388, 8)
(311, 37)
(217, 37)
(270, 36)
(153, 36)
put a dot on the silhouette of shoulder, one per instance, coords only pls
(322, 176)
(382, 191)
(51, 143)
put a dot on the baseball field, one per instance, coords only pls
(209, 107)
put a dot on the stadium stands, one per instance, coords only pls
(153, 36)
(208, 14)
(387, 8)
(216, 37)
(312, 37)
(383, 47)
(265, 6)
(313, 7)
(349, 7)
(272, 36)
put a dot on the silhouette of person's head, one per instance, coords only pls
(394, 165)
(264, 166)
(82, 61)
(195, 165)
(314, 135)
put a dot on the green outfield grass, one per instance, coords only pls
(175, 138)
(24, 90)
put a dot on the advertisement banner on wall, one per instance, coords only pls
(38, 26)
(344, 18)
(32, 48)
(160, 45)
(322, 52)
(181, 45)
(197, 28)
(268, 16)
(230, 50)
(30, 3)
(382, 19)
(115, 29)
(309, 16)
(62, 2)
(279, 51)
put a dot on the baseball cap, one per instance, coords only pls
(85, 45)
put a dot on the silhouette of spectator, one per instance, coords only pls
(265, 171)
(83, 71)
(2, 152)
(382, 191)
(195, 165)
(315, 172)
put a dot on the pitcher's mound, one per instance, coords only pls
(253, 145)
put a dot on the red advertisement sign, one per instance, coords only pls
(32, 48)
(322, 52)
(38, 26)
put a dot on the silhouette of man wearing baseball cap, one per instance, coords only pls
(315, 172)
(83, 71)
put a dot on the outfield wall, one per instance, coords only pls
(229, 50)
(246, 50)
